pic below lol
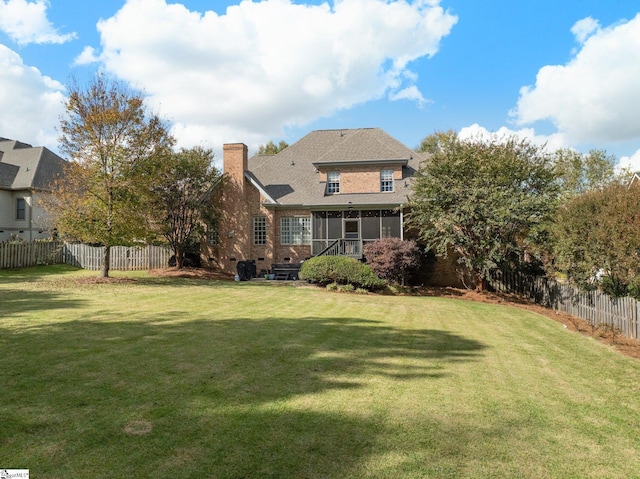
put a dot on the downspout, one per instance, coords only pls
(401, 221)
(30, 216)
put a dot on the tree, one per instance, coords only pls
(437, 141)
(185, 197)
(392, 259)
(110, 138)
(596, 238)
(482, 200)
(271, 148)
(579, 173)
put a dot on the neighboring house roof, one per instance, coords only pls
(635, 179)
(25, 167)
(290, 178)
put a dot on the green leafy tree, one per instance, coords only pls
(579, 173)
(110, 138)
(482, 200)
(437, 141)
(271, 148)
(185, 196)
(595, 238)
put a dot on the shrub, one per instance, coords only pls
(346, 288)
(341, 270)
(634, 288)
(393, 259)
(332, 286)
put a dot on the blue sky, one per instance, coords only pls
(563, 72)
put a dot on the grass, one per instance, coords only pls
(157, 377)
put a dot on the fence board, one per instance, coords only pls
(595, 307)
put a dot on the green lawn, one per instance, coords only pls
(182, 378)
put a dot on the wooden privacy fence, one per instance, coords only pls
(123, 258)
(595, 307)
(23, 254)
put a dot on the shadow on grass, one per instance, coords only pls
(210, 396)
(34, 273)
(17, 301)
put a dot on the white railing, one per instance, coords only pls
(338, 247)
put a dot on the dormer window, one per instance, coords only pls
(333, 182)
(386, 180)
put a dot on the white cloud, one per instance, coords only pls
(87, 56)
(30, 103)
(630, 162)
(553, 142)
(596, 96)
(410, 93)
(27, 22)
(267, 65)
(585, 27)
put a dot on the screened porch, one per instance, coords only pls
(345, 232)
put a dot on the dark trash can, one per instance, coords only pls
(243, 269)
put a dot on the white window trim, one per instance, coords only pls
(259, 230)
(23, 209)
(295, 230)
(386, 180)
(333, 182)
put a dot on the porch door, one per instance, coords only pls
(352, 229)
(352, 238)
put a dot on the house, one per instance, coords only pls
(329, 193)
(25, 176)
(635, 180)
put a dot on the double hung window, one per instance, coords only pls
(295, 230)
(259, 230)
(21, 209)
(386, 180)
(333, 182)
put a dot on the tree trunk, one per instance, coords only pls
(481, 282)
(106, 260)
(179, 258)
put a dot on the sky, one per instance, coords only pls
(564, 73)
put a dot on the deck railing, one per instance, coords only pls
(338, 247)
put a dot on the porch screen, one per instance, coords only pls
(391, 224)
(320, 224)
(334, 224)
(370, 224)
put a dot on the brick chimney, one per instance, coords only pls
(234, 163)
(235, 225)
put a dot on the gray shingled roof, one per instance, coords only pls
(25, 167)
(291, 176)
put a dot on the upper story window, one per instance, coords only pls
(21, 209)
(386, 180)
(259, 230)
(333, 182)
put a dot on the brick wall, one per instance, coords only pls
(361, 179)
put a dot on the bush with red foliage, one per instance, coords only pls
(393, 259)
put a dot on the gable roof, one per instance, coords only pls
(290, 178)
(25, 167)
